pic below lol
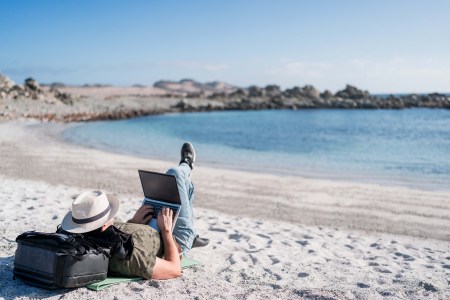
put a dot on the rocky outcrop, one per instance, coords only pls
(31, 89)
(272, 97)
(46, 103)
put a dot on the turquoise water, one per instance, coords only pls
(407, 147)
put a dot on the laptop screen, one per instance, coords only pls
(161, 187)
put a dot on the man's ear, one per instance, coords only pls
(105, 226)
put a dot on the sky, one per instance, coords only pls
(384, 46)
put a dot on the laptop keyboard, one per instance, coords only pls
(157, 207)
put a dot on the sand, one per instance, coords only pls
(272, 236)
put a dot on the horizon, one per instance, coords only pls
(383, 47)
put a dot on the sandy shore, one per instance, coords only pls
(271, 236)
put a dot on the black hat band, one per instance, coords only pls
(94, 218)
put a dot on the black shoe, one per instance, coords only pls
(200, 242)
(188, 154)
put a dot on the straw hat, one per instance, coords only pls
(90, 211)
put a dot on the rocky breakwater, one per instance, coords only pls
(30, 100)
(273, 97)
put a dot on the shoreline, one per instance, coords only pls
(374, 178)
(72, 103)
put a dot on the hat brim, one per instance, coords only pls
(69, 226)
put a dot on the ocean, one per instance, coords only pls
(408, 147)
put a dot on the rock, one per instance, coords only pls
(351, 92)
(199, 94)
(18, 88)
(310, 92)
(326, 95)
(32, 84)
(294, 92)
(239, 93)
(273, 91)
(306, 92)
(255, 92)
(218, 96)
(183, 105)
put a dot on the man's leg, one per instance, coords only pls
(184, 231)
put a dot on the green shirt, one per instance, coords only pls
(147, 246)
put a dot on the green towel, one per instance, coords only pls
(186, 262)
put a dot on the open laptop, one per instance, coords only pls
(160, 190)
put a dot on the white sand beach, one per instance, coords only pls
(272, 236)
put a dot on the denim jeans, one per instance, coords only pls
(184, 231)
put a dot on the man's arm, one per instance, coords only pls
(170, 266)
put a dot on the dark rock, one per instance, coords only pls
(326, 95)
(32, 84)
(65, 98)
(255, 92)
(199, 94)
(351, 92)
(294, 92)
(218, 96)
(306, 92)
(273, 91)
(183, 105)
(239, 93)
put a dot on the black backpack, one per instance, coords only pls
(59, 260)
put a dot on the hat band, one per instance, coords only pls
(94, 218)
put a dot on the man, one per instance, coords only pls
(184, 231)
(93, 214)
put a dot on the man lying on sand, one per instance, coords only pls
(137, 247)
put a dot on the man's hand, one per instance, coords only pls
(165, 220)
(143, 215)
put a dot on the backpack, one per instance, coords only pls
(59, 260)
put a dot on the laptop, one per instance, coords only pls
(160, 190)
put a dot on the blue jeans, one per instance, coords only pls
(184, 231)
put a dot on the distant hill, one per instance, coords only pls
(189, 86)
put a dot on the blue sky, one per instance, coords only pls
(383, 46)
